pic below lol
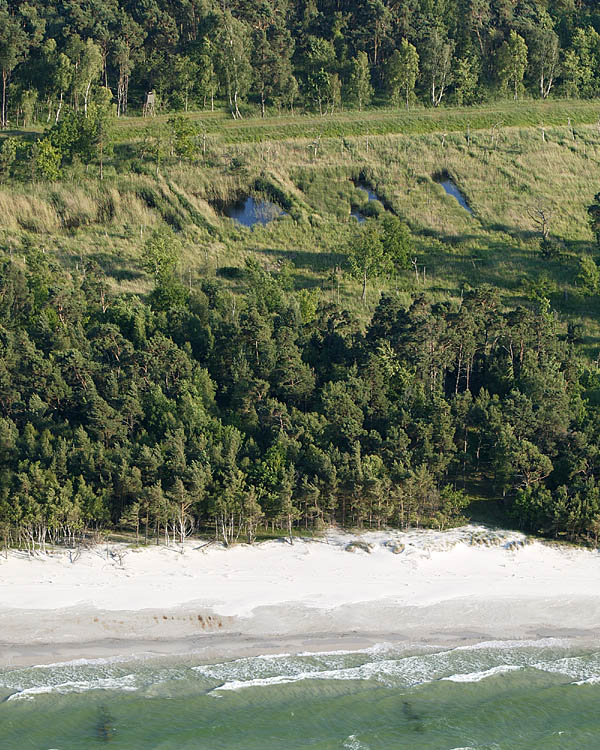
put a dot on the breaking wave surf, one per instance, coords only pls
(395, 666)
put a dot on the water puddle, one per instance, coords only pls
(452, 189)
(250, 211)
(371, 195)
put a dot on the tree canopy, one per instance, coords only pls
(274, 55)
(188, 412)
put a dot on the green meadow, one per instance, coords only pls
(510, 161)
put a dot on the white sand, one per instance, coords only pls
(441, 583)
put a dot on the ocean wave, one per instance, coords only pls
(277, 680)
(387, 672)
(126, 683)
(580, 669)
(83, 675)
(391, 665)
(394, 667)
(595, 680)
(512, 644)
(353, 743)
(384, 650)
(407, 672)
(341, 652)
(84, 662)
(251, 667)
(478, 676)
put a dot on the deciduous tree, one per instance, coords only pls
(402, 71)
(512, 63)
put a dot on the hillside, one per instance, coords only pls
(507, 174)
(392, 340)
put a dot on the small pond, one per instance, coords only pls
(452, 189)
(371, 195)
(250, 211)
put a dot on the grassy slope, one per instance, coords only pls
(380, 121)
(504, 172)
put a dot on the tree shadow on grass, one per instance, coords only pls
(317, 261)
(27, 135)
(303, 281)
(116, 268)
(498, 264)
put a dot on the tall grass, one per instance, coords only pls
(505, 173)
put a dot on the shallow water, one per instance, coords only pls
(451, 189)
(539, 694)
(372, 196)
(250, 211)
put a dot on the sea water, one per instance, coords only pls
(509, 695)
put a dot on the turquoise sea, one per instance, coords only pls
(497, 695)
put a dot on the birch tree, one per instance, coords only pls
(234, 61)
(437, 64)
(367, 255)
(88, 71)
(512, 63)
(402, 72)
(360, 80)
(545, 55)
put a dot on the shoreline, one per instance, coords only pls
(457, 587)
(239, 645)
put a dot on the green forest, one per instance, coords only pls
(273, 56)
(375, 352)
(204, 409)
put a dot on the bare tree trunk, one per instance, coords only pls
(85, 98)
(3, 122)
(60, 103)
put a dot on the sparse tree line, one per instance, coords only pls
(85, 138)
(275, 409)
(277, 55)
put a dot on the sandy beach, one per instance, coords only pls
(463, 585)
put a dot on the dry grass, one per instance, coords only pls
(24, 211)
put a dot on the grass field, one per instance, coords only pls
(220, 128)
(508, 160)
(223, 129)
